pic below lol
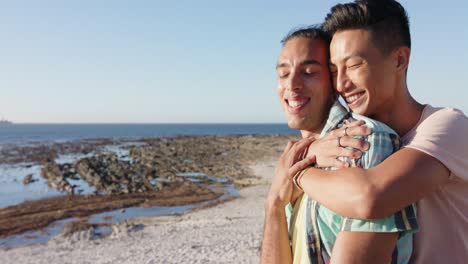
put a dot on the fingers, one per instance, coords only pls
(301, 165)
(355, 128)
(342, 164)
(358, 131)
(297, 151)
(331, 162)
(354, 123)
(294, 151)
(304, 153)
(289, 145)
(350, 153)
(355, 143)
(306, 150)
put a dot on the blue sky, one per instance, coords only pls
(202, 61)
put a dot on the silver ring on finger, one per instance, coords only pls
(338, 142)
(345, 133)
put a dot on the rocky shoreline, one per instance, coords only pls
(226, 232)
(150, 172)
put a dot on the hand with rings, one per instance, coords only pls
(339, 137)
(340, 143)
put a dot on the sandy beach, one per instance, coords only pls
(229, 232)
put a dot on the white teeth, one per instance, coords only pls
(353, 98)
(296, 103)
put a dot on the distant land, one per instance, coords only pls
(4, 121)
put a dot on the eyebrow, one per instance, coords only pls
(306, 62)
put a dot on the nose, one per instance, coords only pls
(342, 81)
(295, 81)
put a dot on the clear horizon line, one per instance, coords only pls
(149, 123)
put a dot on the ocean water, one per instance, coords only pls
(27, 133)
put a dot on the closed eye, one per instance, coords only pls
(311, 72)
(354, 66)
(283, 74)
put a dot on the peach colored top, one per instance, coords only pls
(443, 215)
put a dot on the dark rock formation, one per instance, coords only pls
(55, 179)
(28, 179)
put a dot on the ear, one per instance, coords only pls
(401, 58)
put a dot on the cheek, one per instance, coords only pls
(362, 79)
(282, 85)
(381, 86)
(314, 84)
(280, 92)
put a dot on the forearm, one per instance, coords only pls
(402, 179)
(275, 246)
(348, 192)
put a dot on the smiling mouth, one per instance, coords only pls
(296, 104)
(353, 98)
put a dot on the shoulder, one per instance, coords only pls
(439, 125)
(442, 119)
(441, 133)
(443, 111)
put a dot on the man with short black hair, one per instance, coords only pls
(370, 53)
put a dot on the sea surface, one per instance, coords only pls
(29, 133)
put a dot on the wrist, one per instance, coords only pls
(274, 207)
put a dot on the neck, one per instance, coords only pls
(310, 134)
(315, 132)
(316, 129)
(402, 113)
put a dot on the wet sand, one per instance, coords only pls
(36, 215)
(229, 232)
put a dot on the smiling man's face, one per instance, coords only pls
(362, 75)
(304, 86)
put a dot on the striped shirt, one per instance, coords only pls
(313, 228)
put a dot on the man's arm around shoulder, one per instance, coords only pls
(403, 178)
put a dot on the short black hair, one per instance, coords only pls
(311, 32)
(386, 20)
